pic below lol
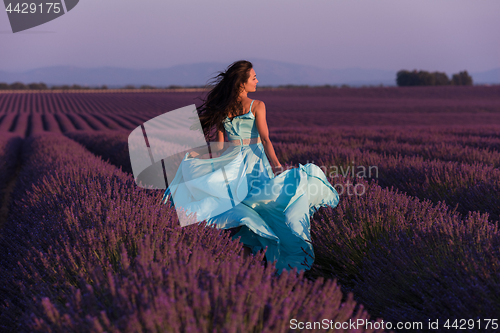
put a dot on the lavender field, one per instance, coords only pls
(414, 238)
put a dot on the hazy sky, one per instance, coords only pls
(444, 35)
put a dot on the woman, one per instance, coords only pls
(243, 188)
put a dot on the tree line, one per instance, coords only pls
(422, 78)
(404, 78)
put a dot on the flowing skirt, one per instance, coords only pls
(238, 189)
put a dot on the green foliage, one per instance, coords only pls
(422, 78)
(18, 86)
(441, 79)
(461, 79)
(37, 86)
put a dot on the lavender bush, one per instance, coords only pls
(93, 122)
(465, 186)
(407, 259)
(460, 144)
(50, 123)
(64, 123)
(21, 124)
(10, 145)
(385, 221)
(7, 121)
(438, 151)
(123, 122)
(78, 121)
(87, 250)
(35, 124)
(112, 146)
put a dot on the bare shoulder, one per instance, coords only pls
(258, 107)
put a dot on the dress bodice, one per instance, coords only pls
(242, 126)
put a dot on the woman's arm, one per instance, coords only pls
(215, 148)
(220, 139)
(197, 151)
(260, 120)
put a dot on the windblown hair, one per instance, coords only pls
(222, 100)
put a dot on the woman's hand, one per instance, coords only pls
(193, 154)
(277, 169)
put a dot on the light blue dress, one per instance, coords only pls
(274, 211)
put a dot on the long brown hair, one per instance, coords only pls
(222, 100)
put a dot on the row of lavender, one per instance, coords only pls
(94, 103)
(384, 99)
(456, 165)
(26, 124)
(86, 250)
(469, 145)
(468, 187)
(406, 258)
(9, 149)
(324, 107)
(477, 144)
(410, 252)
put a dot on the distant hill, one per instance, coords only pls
(269, 73)
(488, 77)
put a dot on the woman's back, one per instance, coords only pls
(242, 126)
